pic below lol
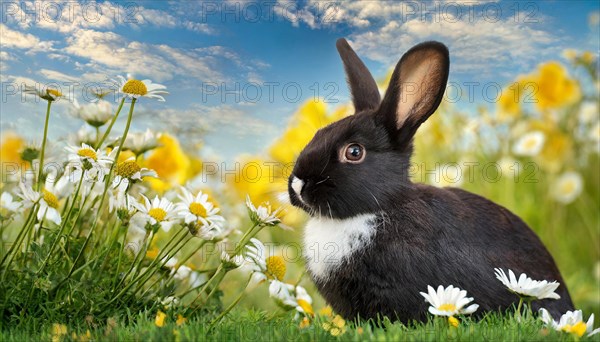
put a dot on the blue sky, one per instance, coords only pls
(193, 47)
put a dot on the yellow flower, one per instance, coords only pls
(170, 163)
(82, 338)
(160, 319)
(152, 253)
(453, 321)
(554, 88)
(336, 327)
(256, 180)
(274, 170)
(180, 320)
(588, 57)
(570, 54)
(12, 154)
(509, 103)
(58, 331)
(326, 311)
(305, 323)
(310, 117)
(557, 151)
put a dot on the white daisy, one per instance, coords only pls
(529, 144)
(290, 297)
(256, 256)
(129, 171)
(47, 201)
(567, 187)
(198, 208)
(47, 94)
(263, 267)
(96, 113)
(135, 88)
(231, 262)
(85, 135)
(282, 293)
(509, 166)
(181, 272)
(304, 301)
(588, 112)
(88, 162)
(170, 302)
(6, 202)
(160, 212)
(136, 233)
(141, 142)
(60, 186)
(28, 195)
(448, 301)
(263, 215)
(124, 204)
(526, 286)
(571, 322)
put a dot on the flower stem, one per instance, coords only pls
(229, 308)
(106, 186)
(218, 274)
(518, 313)
(62, 227)
(144, 277)
(112, 123)
(19, 238)
(43, 151)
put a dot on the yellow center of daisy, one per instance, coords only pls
(568, 187)
(447, 307)
(306, 306)
(275, 267)
(54, 92)
(530, 144)
(135, 87)
(50, 199)
(198, 209)
(578, 329)
(87, 153)
(158, 214)
(127, 168)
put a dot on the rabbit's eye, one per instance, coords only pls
(353, 153)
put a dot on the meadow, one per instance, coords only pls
(118, 235)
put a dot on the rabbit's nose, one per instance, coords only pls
(297, 185)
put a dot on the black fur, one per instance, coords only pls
(424, 235)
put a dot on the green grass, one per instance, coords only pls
(263, 326)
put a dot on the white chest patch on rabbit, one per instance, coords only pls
(328, 242)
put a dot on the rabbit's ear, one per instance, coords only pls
(365, 94)
(416, 88)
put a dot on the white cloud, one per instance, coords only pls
(477, 40)
(19, 40)
(224, 119)
(54, 75)
(4, 58)
(159, 62)
(68, 16)
(198, 27)
(480, 45)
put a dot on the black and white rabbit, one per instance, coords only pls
(375, 239)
